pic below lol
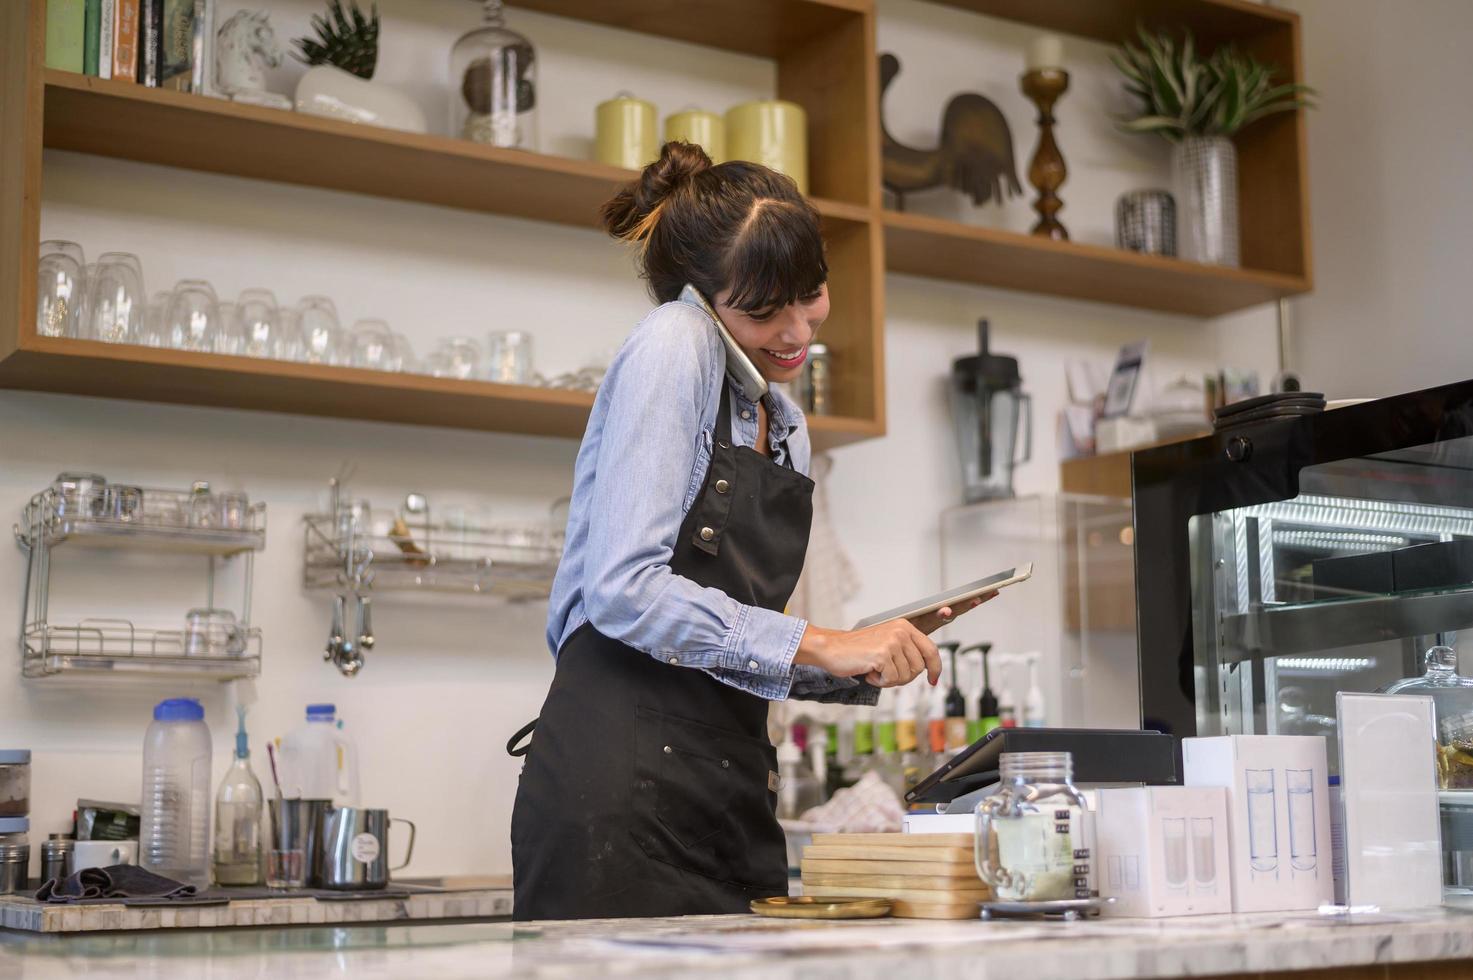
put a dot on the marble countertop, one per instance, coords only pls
(746, 946)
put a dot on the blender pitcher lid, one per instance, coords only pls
(995, 371)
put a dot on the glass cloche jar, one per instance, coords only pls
(1035, 835)
(493, 84)
(1452, 705)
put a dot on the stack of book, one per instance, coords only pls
(926, 876)
(163, 43)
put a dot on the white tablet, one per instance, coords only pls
(952, 597)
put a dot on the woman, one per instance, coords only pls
(650, 785)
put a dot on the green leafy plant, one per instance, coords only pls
(1182, 94)
(346, 39)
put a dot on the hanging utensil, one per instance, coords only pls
(336, 634)
(365, 623)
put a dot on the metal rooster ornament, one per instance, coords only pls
(975, 155)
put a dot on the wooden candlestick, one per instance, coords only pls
(1046, 172)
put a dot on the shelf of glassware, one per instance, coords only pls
(142, 518)
(114, 647)
(89, 367)
(509, 562)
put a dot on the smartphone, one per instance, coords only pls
(739, 366)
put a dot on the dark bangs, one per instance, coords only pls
(777, 257)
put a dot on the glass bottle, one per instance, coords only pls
(1035, 835)
(493, 84)
(238, 819)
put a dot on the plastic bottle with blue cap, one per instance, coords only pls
(174, 834)
(319, 760)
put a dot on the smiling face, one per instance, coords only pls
(776, 340)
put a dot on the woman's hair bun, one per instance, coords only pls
(631, 213)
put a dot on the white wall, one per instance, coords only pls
(448, 683)
(1389, 152)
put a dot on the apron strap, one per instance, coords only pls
(517, 751)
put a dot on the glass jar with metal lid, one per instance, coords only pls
(1035, 835)
(15, 782)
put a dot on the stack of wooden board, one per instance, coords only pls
(928, 876)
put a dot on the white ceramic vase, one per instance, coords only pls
(326, 90)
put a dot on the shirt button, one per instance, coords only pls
(675, 660)
(753, 665)
(722, 486)
(707, 534)
(669, 750)
(747, 414)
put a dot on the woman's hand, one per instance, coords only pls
(885, 655)
(933, 621)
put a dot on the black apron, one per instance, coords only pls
(650, 788)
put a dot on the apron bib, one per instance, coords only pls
(650, 787)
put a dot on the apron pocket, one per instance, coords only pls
(700, 794)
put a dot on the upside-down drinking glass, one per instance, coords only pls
(60, 282)
(323, 338)
(373, 345)
(154, 331)
(260, 330)
(193, 319)
(228, 337)
(115, 298)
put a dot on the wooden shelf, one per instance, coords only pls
(176, 129)
(86, 367)
(766, 28)
(923, 245)
(1210, 21)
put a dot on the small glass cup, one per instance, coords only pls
(286, 869)
(509, 353)
(258, 321)
(403, 358)
(323, 338)
(229, 338)
(455, 357)
(60, 289)
(288, 345)
(154, 331)
(193, 316)
(373, 345)
(115, 298)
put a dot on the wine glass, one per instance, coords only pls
(115, 298)
(323, 339)
(259, 321)
(373, 345)
(60, 281)
(193, 317)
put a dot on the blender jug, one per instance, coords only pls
(988, 407)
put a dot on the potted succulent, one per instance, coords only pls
(1198, 104)
(339, 85)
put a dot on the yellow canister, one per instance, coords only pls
(626, 132)
(770, 132)
(705, 129)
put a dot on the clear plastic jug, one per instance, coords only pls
(319, 761)
(175, 817)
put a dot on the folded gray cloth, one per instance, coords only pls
(118, 881)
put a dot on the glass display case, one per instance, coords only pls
(1285, 562)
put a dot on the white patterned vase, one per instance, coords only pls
(1205, 169)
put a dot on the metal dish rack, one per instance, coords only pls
(419, 554)
(109, 516)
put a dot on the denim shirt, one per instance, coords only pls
(642, 463)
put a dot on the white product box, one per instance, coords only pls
(1163, 850)
(1278, 799)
